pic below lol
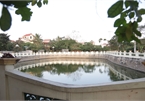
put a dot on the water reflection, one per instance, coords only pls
(85, 71)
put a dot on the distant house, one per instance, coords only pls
(27, 38)
(104, 44)
(45, 42)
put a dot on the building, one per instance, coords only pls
(45, 42)
(104, 44)
(27, 38)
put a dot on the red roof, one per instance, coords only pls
(28, 34)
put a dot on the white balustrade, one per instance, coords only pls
(80, 54)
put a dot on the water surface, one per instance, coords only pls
(80, 71)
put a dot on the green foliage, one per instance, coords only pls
(67, 43)
(37, 43)
(25, 13)
(18, 46)
(120, 46)
(5, 20)
(75, 47)
(115, 9)
(88, 46)
(106, 48)
(39, 4)
(126, 29)
(4, 40)
(113, 43)
(22, 9)
(64, 43)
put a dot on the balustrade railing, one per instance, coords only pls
(28, 97)
(92, 53)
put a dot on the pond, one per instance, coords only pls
(79, 72)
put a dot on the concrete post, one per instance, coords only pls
(134, 46)
(124, 53)
(137, 54)
(6, 64)
(130, 53)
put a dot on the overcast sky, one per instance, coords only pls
(84, 20)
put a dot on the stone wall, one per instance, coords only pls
(133, 63)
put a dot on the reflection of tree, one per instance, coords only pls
(105, 69)
(114, 77)
(74, 70)
(63, 68)
(37, 71)
(100, 70)
(75, 75)
(53, 69)
(98, 65)
(88, 68)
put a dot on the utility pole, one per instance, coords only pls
(134, 46)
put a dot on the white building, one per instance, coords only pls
(28, 38)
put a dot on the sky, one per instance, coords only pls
(83, 20)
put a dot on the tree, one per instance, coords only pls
(120, 46)
(140, 28)
(22, 9)
(88, 46)
(113, 43)
(10, 45)
(18, 45)
(130, 16)
(97, 48)
(75, 47)
(64, 43)
(106, 48)
(141, 47)
(101, 40)
(4, 40)
(37, 43)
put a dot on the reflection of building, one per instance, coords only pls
(27, 38)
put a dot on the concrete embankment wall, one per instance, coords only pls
(19, 83)
(132, 63)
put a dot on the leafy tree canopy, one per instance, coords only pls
(129, 17)
(21, 9)
(4, 40)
